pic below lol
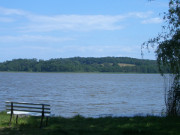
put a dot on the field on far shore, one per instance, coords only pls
(78, 125)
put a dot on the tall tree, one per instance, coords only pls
(168, 55)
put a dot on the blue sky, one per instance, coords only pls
(46, 29)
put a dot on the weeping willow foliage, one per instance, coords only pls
(167, 45)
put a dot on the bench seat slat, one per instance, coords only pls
(28, 113)
(28, 110)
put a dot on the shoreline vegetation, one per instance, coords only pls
(76, 72)
(77, 125)
(82, 65)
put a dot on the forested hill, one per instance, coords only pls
(81, 64)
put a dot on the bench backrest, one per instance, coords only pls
(28, 107)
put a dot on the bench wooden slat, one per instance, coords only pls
(30, 107)
(27, 103)
(28, 110)
(29, 113)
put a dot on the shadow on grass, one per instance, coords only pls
(92, 126)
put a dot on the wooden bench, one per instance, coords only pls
(32, 109)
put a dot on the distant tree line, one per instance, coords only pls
(81, 64)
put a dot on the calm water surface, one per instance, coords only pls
(90, 95)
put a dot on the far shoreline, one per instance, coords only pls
(76, 72)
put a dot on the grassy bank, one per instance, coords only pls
(78, 125)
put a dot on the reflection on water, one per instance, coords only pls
(90, 95)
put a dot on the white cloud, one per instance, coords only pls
(7, 11)
(6, 19)
(80, 22)
(73, 22)
(140, 14)
(40, 23)
(48, 52)
(101, 48)
(155, 20)
(34, 38)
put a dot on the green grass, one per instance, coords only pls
(79, 125)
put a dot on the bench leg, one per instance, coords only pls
(16, 119)
(47, 121)
(41, 121)
(10, 119)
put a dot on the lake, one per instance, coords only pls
(87, 94)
